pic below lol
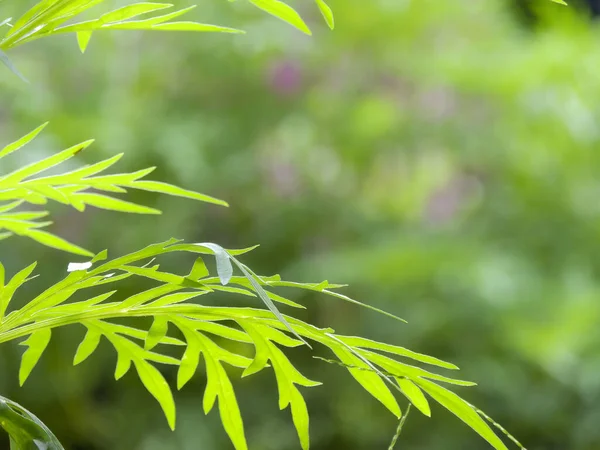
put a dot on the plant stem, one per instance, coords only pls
(399, 429)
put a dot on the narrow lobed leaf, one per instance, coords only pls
(36, 343)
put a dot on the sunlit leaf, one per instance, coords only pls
(157, 332)
(36, 343)
(414, 395)
(327, 13)
(462, 410)
(284, 12)
(23, 141)
(87, 346)
(158, 387)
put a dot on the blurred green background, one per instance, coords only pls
(441, 157)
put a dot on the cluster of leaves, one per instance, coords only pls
(376, 366)
(381, 369)
(74, 188)
(168, 303)
(53, 17)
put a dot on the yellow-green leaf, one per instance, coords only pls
(368, 379)
(16, 281)
(83, 39)
(284, 12)
(53, 241)
(462, 410)
(36, 343)
(113, 204)
(23, 141)
(414, 395)
(300, 417)
(87, 346)
(158, 387)
(327, 13)
(123, 365)
(156, 333)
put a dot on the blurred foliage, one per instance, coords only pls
(440, 159)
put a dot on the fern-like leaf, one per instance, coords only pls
(78, 188)
(52, 17)
(381, 369)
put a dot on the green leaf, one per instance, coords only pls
(43, 165)
(154, 274)
(123, 365)
(190, 359)
(10, 206)
(158, 387)
(284, 12)
(53, 241)
(462, 410)
(164, 188)
(9, 290)
(286, 374)
(145, 24)
(78, 174)
(199, 269)
(194, 26)
(135, 333)
(359, 342)
(23, 141)
(300, 417)
(220, 330)
(26, 431)
(327, 13)
(130, 11)
(83, 39)
(265, 298)
(321, 288)
(414, 395)
(368, 379)
(150, 294)
(36, 343)
(404, 370)
(113, 204)
(87, 346)
(157, 332)
(219, 386)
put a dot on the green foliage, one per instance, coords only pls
(168, 303)
(77, 188)
(26, 431)
(54, 17)
(377, 367)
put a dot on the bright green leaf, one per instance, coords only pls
(156, 333)
(282, 11)
(23, 141)
(158, 387)
(36, 343)
(462, 410)
(327, 13)
(369, 380)
(414, 395)
(87, 346)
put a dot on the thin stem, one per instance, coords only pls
(499, 427)
(399, 429)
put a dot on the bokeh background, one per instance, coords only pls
(441, 157)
